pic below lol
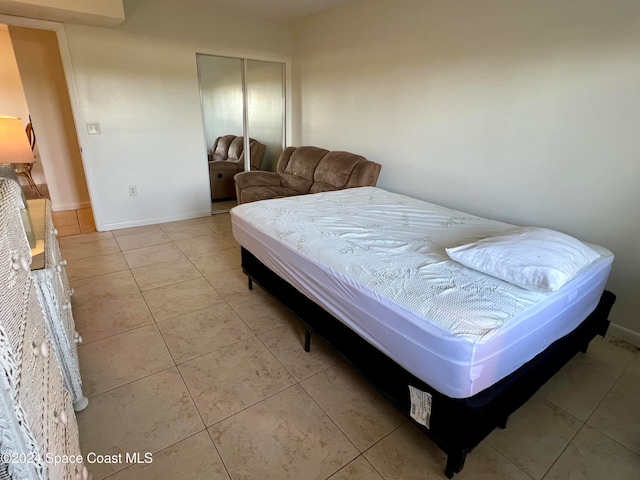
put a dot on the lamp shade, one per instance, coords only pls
(14, 144)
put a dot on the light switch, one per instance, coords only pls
(93, 128)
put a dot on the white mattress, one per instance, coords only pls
(376, 261)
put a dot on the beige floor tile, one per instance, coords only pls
(194, 334)
(68, 230)
(212, 242)
(485, 463)
(594, 456)
(147, 415)
(228, 236)
(123, 358)
(618, 416)
(194, 458)
(183, 223)
(287, 436)
(141, 239)
(358, 410)
(218, 206)
(108, 305)
(232, 285)
(85, 220)
(95, 266)
(261, 312)
(64, 218)
(359, 469)
(221, 222)
(141, 257)
(623, 344)
(535, 436)
(163, 274)
(88, 245)
(149, 229)
(579, 393)
(232, 378)
(188, 232)
(287, 344)
(218, 262)
(407, 454)
(182, 298)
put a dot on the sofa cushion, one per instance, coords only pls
(253, 194)
(236, 148)
(334, 170)
(221, 148)
(298, 167)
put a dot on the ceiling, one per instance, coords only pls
(285, 10)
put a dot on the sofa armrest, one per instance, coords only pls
(365, 174)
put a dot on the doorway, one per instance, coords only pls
(39, 85)
(243, 114)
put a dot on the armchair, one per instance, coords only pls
(302, 170)
(227, 159)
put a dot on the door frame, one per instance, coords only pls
(67, 68)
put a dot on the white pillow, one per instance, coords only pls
(537, 259)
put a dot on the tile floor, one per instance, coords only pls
(181, 360)
(73, 222)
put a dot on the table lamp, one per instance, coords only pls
(15, 149)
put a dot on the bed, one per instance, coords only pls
(455, 349)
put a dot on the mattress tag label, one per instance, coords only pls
(420, 406)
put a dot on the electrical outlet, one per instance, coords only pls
(133, 190)
(93, 128)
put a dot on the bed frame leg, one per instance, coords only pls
(503, 423)
(455, 462)
(307, 340)
(250, 283)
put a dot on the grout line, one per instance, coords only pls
(508, 459)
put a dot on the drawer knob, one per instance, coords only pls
(44, 349)
(20, 263)
(55, 232)
(62, 263)
(77, 337)
(82, 474)
(60, 417)
(71, 292)
(66, 306)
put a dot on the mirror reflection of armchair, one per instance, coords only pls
(227, 159)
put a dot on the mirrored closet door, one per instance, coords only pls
(243, 111)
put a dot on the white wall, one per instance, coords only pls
(526, 112)
(139, 81)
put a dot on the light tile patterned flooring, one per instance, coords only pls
(180, 359)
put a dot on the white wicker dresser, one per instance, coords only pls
(37, 421)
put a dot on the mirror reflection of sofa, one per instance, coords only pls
(302, 170)
(226, 159)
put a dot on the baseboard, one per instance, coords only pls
(624, 334)
(153, 221)
(70, 206)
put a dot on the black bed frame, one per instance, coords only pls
(456, 425)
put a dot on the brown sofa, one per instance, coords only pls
(227, 159)
(302, 170)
